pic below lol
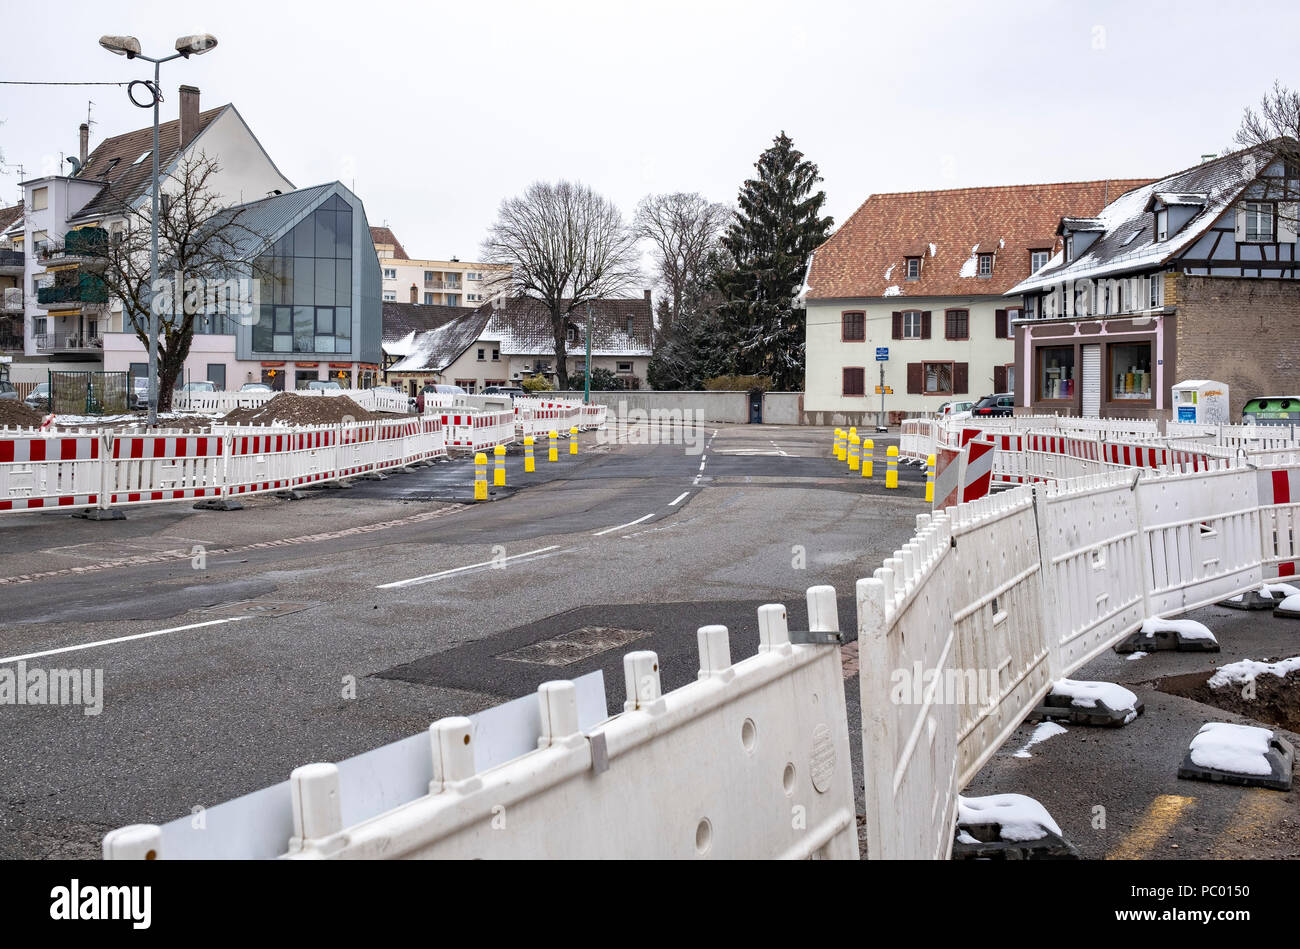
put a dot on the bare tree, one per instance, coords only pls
(203, 244)
(1273, 135)
(566, 246)
(683, 229)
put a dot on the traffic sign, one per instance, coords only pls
(882, 354)
(884, 390)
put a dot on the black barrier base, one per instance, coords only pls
(1165, 640)
(218, 504)
(1063, 708)
(1252, 600)
(1280, 757)
(985, 843)
(100, 514)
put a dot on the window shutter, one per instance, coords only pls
(898, 326)
(1286, 222)
(1241, 224)
(914, 376)
(925, 325)
(960, 373)
(999, 378)
(1000, 324)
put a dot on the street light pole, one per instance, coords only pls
(586, 376)
(129, 47)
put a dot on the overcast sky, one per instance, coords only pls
(435, 112)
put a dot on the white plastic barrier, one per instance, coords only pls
(146, 469)
(38, 470)
(1011, 592)
(749, 761)
(219, 403)
(918, 439)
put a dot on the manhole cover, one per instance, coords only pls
(256, 608)
(575, 645)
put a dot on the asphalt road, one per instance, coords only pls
(414, 597)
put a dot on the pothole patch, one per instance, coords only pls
(575, 645)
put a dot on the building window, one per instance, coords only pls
(1069, 248)
(466, 384)
(390, 273)
(938, 378)
(956, 324)
(390, 296)
(428, 298)
(1038, 260)
(986, 265)
(496, 355)
(1162, 224)
(482, 355)
(912, 324)
(1259, 222)
(913, 268)
(453, 299)
(473, 298)
(217, 374)
(853, 327)
(854, 381)
(1130, 371)
(1157, 289)
(40, 199)
(623, 367)
(428, 276)
(473, 276)
(1031, 308)
(1056, 372)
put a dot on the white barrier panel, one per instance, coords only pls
(751, 760)
(146, 469)
(219, 403)
(39, 470)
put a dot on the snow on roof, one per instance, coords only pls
(436, 349)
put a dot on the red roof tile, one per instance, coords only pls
(1008, 221)
(382, 235)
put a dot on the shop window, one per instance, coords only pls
(1130, 371)
(1056, 372)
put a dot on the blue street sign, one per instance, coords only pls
(882, 354)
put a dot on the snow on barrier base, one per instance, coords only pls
(749, 761)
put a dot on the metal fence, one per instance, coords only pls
(89, 393)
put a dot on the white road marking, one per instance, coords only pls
(124, 639)
(414, 581)
(608, 530)
(679, 499)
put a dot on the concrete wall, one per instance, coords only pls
(1241, 331)
(782, 408)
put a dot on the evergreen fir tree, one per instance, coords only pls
(766, 251)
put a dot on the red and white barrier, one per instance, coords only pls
(43, 471)
(146, 469)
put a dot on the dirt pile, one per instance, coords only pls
(1274, 701)
(15, 413)
(288, 408)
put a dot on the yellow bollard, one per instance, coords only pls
(573, 441)
(853, 452)
(529, 464)
(499, 470)
(480, 477)
(554, 454)
(839, 444)
(891, 467)
(929, 480)
(868, 458)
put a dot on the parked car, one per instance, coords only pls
(137, 400)
(200, 386)
(949, 409)
(513, 391)
(39, 398)
(992, 406)
(324, 384)
(256, 387)
(437, 389)
(8, 390)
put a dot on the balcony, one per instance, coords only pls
(86, 290)
(11, 301)
(68, 343)
(442, 285)
(86, 248)
(11, 263)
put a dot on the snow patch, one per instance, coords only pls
(1247, 670)
(1043, 732)
(889, 272)
(1087, 694)
(1136, 655)
(1289, 605)
(893, 291)
(1187, 628)
(1021, 817)
(1228, 747)
(933, 249)
(971, 264)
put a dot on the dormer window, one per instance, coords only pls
(1259, 222)
(913, 268)
(1038, 260)
(986, 265)
(572, 334)
(1069, 248)
(1162, 224)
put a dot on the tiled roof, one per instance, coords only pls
(522, 327)
(947, 229)
(1128, 243)
(10, 215)
(128, 177)
(401, 320)
(382, 235)
(435, 349)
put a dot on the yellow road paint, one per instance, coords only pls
(1160, 817)
(1259, 809)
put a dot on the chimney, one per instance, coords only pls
(85, 142)
(647, 296)
(415, 295)
(189, 114)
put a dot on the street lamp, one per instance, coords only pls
(186, 46)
